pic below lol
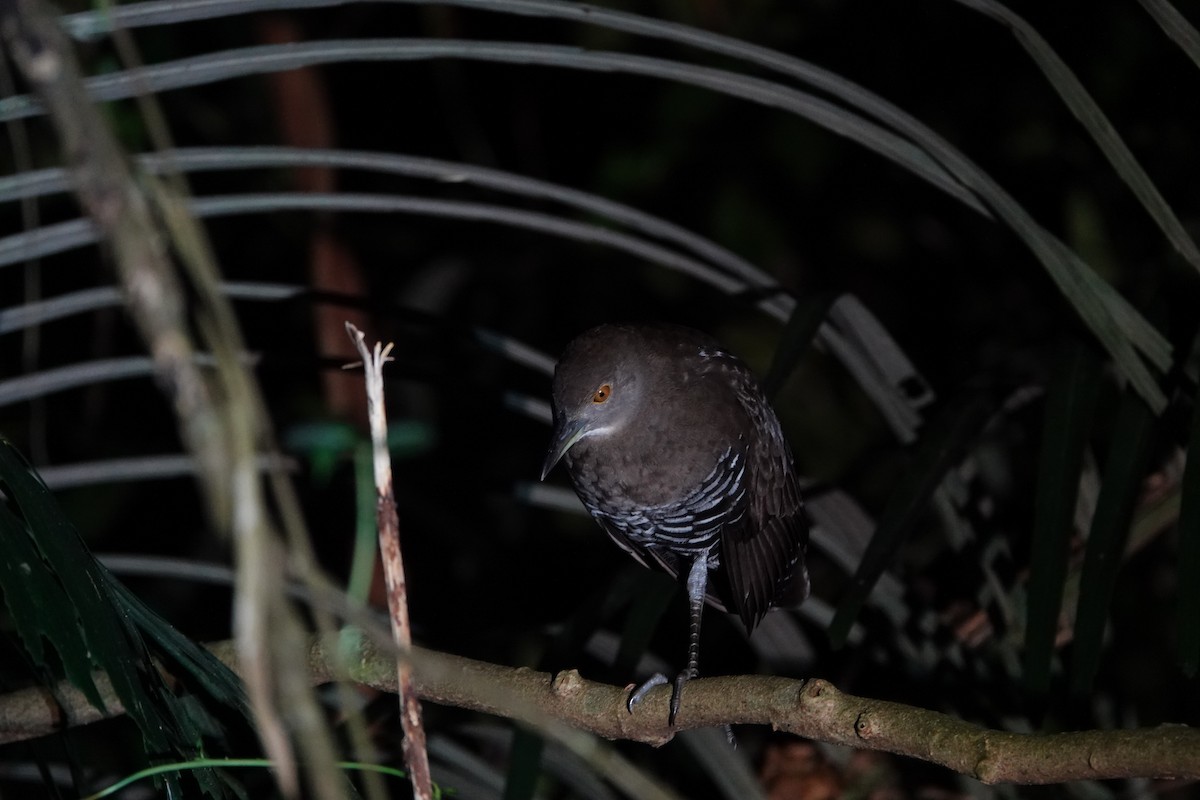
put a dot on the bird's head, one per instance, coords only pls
(597, 390)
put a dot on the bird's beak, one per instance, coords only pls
(566, 433)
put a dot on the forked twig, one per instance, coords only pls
(393, 565)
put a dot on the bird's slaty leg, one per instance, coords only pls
(697, 584)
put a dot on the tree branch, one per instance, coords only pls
(812, 708)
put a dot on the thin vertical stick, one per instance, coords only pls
(393, 566)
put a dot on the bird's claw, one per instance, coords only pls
(676, 694)
(639, 693)
(655, 680)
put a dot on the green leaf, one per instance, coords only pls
(524, 764)
(366, 538)
(943, 446)
(58, 592)
(1124, 470)
(62, 560)
(325, 443)
(218, 681)
(35, 600)
(410, 437)
(797, 336)
(1086, 110)
(1175, 25)
(1070, 405)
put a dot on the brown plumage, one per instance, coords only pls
(674, 450)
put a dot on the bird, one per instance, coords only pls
(673, 449)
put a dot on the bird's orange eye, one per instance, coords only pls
(602, 394)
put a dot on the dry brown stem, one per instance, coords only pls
(388, 522)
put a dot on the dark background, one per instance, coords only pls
(492, 577)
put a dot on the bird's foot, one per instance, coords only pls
(658, 679)
(639, 692)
